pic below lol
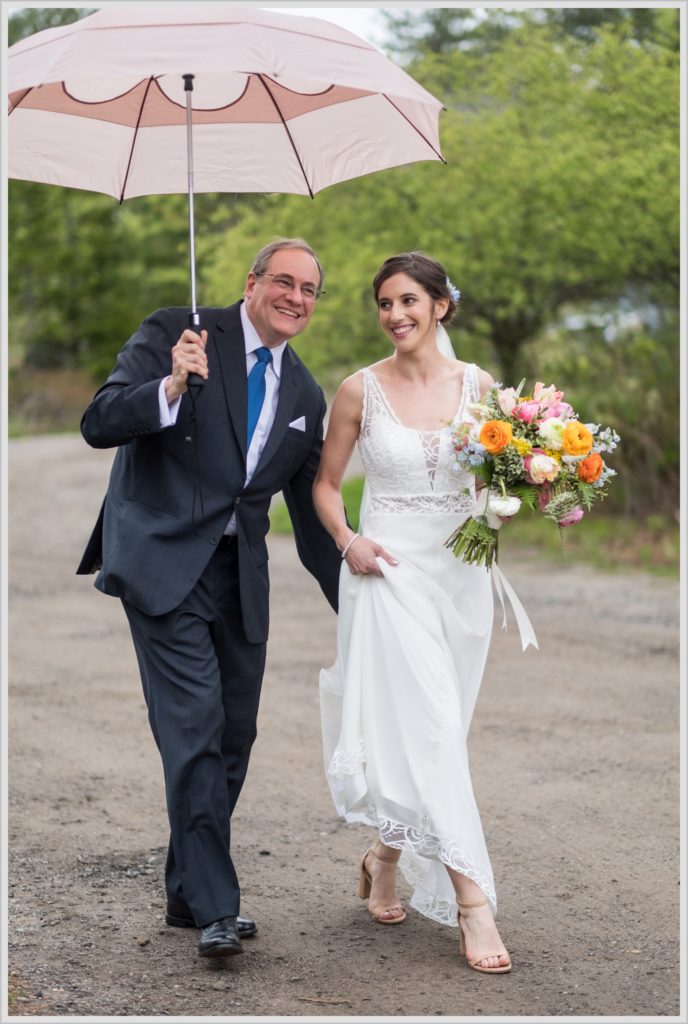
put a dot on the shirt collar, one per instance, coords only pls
(252, 341)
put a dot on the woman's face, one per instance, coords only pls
(408, 315)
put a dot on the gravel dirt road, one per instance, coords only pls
(574, 754)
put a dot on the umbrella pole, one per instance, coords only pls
(193, 380)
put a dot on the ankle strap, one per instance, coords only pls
(385, 860)
(470, 906)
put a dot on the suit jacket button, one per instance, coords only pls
(237, 501)
(214, 540)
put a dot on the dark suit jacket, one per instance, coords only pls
(169, 499)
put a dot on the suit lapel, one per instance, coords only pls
(286, 404)
(230, 350)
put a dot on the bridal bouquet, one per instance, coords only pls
(527, 450)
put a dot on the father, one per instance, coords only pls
(181, 540)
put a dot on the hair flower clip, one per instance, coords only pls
(453, 291)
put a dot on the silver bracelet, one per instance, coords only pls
(355, 537)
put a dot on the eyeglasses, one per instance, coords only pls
(287, 284)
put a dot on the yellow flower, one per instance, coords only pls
(522, 446)
(553, 454)
(577, 439)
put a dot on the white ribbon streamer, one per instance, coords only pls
(525, 627)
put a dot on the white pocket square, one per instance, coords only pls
(299, 424)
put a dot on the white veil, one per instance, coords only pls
(443, 342)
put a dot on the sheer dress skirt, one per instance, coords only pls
(397, 704)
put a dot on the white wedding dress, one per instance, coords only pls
(411, 649)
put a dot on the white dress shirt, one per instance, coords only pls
(273, 372)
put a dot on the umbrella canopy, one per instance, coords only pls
(280, 103)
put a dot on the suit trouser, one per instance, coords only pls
(201, 681)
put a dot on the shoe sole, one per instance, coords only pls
(179, 922)
(186, 922)
(216, 951)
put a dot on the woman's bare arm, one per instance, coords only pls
(342, 434)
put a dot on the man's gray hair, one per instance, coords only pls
(264, 255)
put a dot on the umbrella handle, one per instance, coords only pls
(194, 380)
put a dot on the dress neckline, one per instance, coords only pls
(390, 407)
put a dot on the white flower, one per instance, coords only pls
(552, 433)
(496, 507)
(503, 505)
(506, 399)
(474, 431)
(479, 410)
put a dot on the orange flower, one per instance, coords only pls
(495, 435)
(590, 469)
(577, 439)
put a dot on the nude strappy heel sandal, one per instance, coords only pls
(473, 963)
(364, 887)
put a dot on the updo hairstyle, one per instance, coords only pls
(426, 271)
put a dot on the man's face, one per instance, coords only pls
(275, 302)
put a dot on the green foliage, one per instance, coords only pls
(526, 493)
(443, 30)
(509, 465)
(555, 157)
(447, 29)
(560, 197)
(628, 380)
(27, 20)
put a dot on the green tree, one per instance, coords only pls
(441, 30)
(561, 187)
(27, 20)
(562, 181)
(622, 372)
(414, 34)
(560, 197)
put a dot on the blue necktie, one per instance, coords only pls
(256, 390)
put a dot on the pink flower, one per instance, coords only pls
(546, 396)
(543, 496)
(560, 410)
(574, 516)
(462, 436)
(540, 468)
(527, 411)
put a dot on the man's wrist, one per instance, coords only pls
(171, 392)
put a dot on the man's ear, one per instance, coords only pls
(250, 284)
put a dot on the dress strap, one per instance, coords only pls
(470, 391)
(471, 378)
(375, 401)
(364, 410)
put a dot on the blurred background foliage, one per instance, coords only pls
(557, 215)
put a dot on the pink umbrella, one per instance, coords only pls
(278, 104)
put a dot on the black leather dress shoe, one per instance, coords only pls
(179, 916)
(220, 938)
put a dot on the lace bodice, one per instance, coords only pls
(410, 470)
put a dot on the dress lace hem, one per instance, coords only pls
(418, 845)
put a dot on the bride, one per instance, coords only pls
(414, 622)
